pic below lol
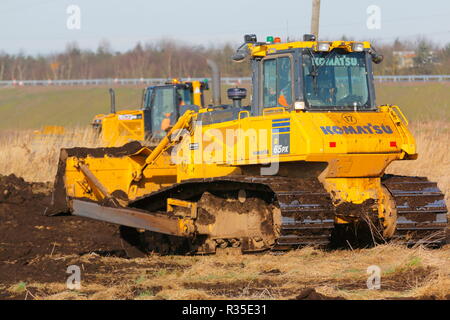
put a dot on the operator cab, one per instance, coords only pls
(163, 105)
(310, 75)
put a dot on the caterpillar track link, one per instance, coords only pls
(421, 210)
(306, 209)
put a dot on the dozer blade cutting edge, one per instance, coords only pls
(135, 218)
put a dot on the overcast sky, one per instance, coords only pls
(40, 26)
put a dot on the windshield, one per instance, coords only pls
(336, 80)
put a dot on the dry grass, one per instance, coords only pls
(35, 157)
(404, 273)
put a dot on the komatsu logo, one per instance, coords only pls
(368, 129)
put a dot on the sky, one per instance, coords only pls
(41, 26)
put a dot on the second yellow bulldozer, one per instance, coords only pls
(170, 101)
(303, 165)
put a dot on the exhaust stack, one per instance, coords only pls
(112, 94)
(215, 71)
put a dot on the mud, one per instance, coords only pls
(351, 210)
(400, 281)
(125, 150)
(27, 235)
(258, 289)
(312, 294)
(204, 217)
(241, 289)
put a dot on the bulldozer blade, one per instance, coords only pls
(156, 222)
(60, 198)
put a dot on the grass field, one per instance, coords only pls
(420, 102)
(34, 107)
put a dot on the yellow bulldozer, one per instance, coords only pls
(162, 105)
(304, 164)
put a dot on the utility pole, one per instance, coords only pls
(315, 17)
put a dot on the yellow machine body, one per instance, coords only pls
(356, 148)
(121, 127)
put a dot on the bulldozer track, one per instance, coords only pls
(306, 208)
(308, 212)
(421, 210)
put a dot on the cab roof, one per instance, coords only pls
(260, 50)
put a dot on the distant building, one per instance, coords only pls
(404, 59)
(410, 59)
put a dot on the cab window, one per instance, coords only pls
(148, 94)
(277, 86)
(162, 110)
(184, 96)
(270, 83)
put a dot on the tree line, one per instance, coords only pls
(167, 59)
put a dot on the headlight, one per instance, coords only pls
(299, 105)
(323, 46)
(357, 47)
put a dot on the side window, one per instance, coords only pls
(270, 83)
(277, 82)
(184, 97)
(148, 94)
(284, 82)
(163, 111)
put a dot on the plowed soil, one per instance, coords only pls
(36, 249)
(26, 233)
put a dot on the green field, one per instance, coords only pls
(34, 107)
(419, 101)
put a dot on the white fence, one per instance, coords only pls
(413, 78)
(104, 82)
(225, 80)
